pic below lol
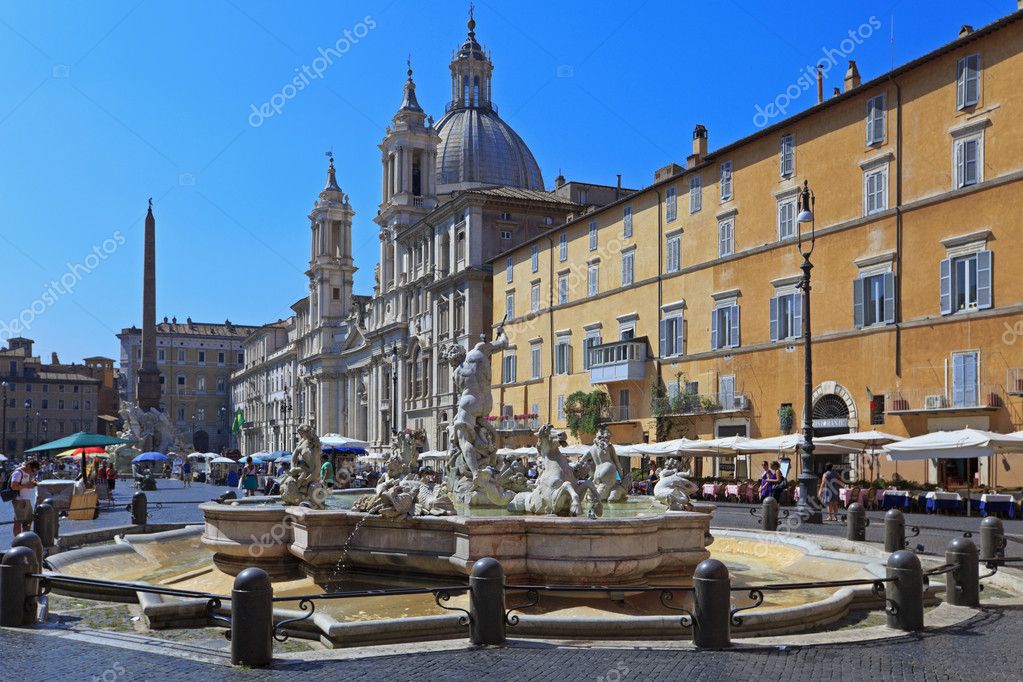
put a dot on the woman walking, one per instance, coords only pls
(827, 492)
(250, 481)
(766, 481)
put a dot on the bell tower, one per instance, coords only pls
(331, 269)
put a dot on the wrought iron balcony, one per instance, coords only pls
(618, 361)
(977, 397)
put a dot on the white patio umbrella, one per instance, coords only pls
(666, 448)
(869, 441)
(433, 455)
(223, 460)
(336, 440)
(791, 443)
(961, 444)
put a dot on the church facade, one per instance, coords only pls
(455, 193)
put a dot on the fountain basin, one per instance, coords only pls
(655, 548)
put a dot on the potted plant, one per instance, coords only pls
(786, 418)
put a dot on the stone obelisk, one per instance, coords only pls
(147, 393)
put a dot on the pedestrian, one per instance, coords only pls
(23, 480)
(101, 482)
(766, 481)
(250, 481)
(111, 481)
(652, 480)
(327, 471)
(827, 492)
(186, 474)
(779, 481)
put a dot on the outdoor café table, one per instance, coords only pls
(895, 498)
(732, 489)
(992, 503)
(711, 489)
(943, 501)
(845, 495)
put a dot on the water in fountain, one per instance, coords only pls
(334, 582)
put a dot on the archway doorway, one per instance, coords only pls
(830, 418)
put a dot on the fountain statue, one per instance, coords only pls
(612, 481)
(473, 439)
(672, 488)
(406, 446)
(400, 494)
(302, 484)
(557, 489)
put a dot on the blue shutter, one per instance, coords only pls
(960, 164)
(774, 319)
(714, 340)
(945, 286)
(735, 327)
(961, 85)
(858, 302)
(983, 279)
(679, 336)
(662, 327)
(889, 298)
(958, 380)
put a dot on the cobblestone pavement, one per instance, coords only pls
(982, 649)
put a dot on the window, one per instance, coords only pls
(534, 258)
(220, 358)
(562, 289)
(627, 221)
(509, 269)
(593, 235)
(200, 383)
(45, 404)
(725, 182)
(181, 355)
(966, 282)
(60, 404)
(968, 81)
(561, 408)
(535, 361)
(508, 368)
(875, 190)
(563, 356)
(181, 380)
(874, 299)
(221, 384)
(726, 244)
(592, 339)
(695, 193)
(673, 253)
(335, 294)
(582, 196)
(787, 218)
(628, 262)
(161, 355)
(202, 357)
(509, 304)
(672, 336)
(965, 388)
(593, 279)
(563, 248)
(670, 204)
(534, 297)
(28, 404)
(787, 155)
(506, 235)
(623, 404)
(241, 358)
(968, 160)
(724, 326)
(786, 316)
(875, 120)
(504, 216)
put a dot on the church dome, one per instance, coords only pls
(477, 147)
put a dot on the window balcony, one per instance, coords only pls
(618, 361)
(691, 404)
(517, 424)
(621, 413)
(1014, 381)
(975, 398)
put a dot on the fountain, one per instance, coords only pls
(562, 529)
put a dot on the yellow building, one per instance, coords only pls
(687, 289)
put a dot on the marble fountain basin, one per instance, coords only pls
(639, 543)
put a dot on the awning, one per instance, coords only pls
(961, 444)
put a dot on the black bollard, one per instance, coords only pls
(32, 541)
(962, 585)
(45, 524)
(770, 512)
(18, 601)
(894, 531)
(906, 591)
(486, 602)
(229, 495)
(712, 605)
(992, 539)
(252, 616)
(856, 522)
(139, 509)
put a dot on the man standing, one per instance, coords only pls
(23, 480)
(327, 471)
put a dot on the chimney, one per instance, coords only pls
(852, 76)
(559, 181)
(820, 84)
(966, 29)
(54, 360)
(618, 188)
(838, 92)
(699, 146)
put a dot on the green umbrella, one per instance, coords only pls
(79, 440)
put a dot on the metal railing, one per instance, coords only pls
(977, 396)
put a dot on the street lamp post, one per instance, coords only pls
(3, 417)
(394, 388)
(286, 408)
(28, 426)
(39, 426)
(808, 509)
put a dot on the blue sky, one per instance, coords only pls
(103, 105)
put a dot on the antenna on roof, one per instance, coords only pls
(891, 41)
